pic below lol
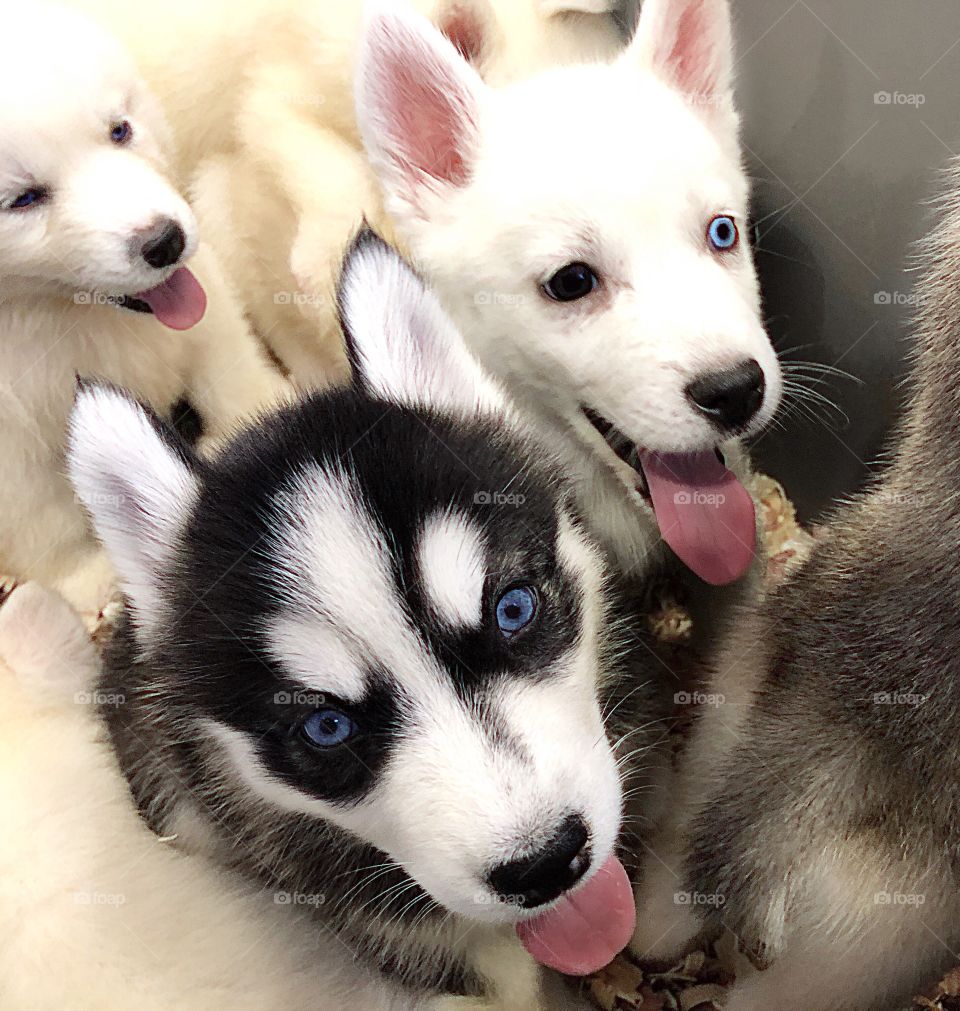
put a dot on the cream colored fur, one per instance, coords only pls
(98, 914)
(95, 911)
(260, 96)
(60, 262)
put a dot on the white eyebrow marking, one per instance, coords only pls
(311, 652)
(451, 559)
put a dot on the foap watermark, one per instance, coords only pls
(899, 899)
(99, 698)
(98, 298)
(498, 498)
(705, 100)
(299, 698)
(299, 298)
(489, 899)
(509, 299)
(99, 898)
(714, 699)
(903, 499)
(899, 98)
(712, 500)
(91, 501)
(308, 99)
(898, 299)
(902, 698)
(299, 898)
(714, 900)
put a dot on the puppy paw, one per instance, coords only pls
(667, 919)
(45, 643)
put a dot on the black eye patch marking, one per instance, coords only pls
(342, 773)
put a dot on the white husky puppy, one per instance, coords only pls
(585, 225)
(586, 230)
(93, 245)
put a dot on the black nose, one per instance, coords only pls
(164, 244)
(540, 878)
(730, 399)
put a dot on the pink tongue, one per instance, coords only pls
(704, 514)
(588, 928)
(179, 302)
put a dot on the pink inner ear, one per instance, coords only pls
(465, 30)
(428, 118)
(692, 59)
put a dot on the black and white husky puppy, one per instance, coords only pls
(366, 659)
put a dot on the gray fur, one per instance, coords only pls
(831, 828)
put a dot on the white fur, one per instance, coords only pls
(335, 571)
(335, 579)
(95, 912)
(621, 166)
(411, 352)
(621, 162)
(264, 121)
(452, 569)
(59, 259)
(138, 505)
(317, 657)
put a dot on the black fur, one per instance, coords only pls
(210, 660)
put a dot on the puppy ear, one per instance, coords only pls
(688, 43)
(138, 482)
(418, 107)
(402, 346)
(469, 25)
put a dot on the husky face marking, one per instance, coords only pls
(376, 624)
(605, 282)
(85, 204)
(451, 564)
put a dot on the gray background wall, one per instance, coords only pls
(840, 175)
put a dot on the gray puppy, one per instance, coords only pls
(819, 819)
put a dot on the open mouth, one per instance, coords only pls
(705, 515)
(134, 304)
(622, 447)
(178, 303)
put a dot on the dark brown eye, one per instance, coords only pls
(572, 282)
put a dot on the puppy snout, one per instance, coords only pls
(732, 398)
(163, 243)
(543, 876)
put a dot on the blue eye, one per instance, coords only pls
(121, 132)
(328, 728)
(28, 198)
(723, 233)
(516, 609)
